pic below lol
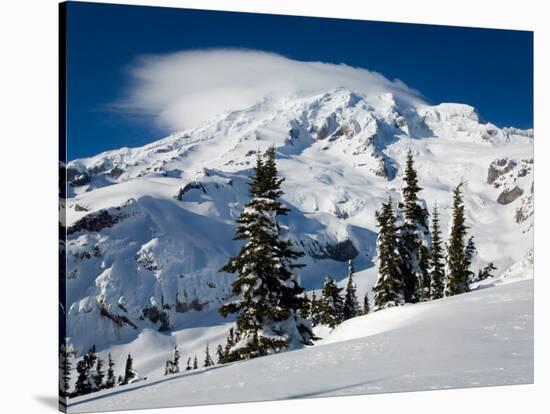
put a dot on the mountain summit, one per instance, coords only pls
(149, 228)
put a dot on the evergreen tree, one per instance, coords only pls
(351, 304)
(468, 257)
(486, 272)
(331, 305)
(229, 342)
(437, 263)
(85, 382)
(99, 374)
(457, 267)
(188, 367)
(82, 385)
(268, 290)
(111, 380)
(172, 366)
(208, 362)
(315, 313)
(195, 363)
(176, 359)
(413, 238)
(66, 352)
(305, 311)
(129, 373)
(388, 290)
(219, 354)
(366, 305)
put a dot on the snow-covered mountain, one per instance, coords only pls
(148, 228)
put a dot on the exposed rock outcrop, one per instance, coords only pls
(508, 196)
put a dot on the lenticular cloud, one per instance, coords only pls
(182, 90)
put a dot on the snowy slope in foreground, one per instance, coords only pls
(478, 339)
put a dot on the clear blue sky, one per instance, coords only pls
(489, 69)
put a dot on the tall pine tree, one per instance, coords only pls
(269, 291)
(457, 270)
(111, 380)
(66, 353)
(219, 354)
(85, 381)
(366, 304)
(413, 239)
(314, 310)
(129, 373)
(99, 374)
(208, 362)
(468, 257)
(331, 305)
(437, 263)
(351, 304)
(388, 290)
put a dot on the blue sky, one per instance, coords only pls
(489, 69)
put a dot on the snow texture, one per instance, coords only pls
(476, 339)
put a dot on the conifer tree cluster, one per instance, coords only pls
(331, 305)
(172, 365)
(91, 374)
(66, 353)
(486, 272)
(269, 292)
(413, 263)
(335, 306)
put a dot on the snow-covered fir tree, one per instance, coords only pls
(129, 373)
(388, 290)
(85, 381)
(195, 363)
(331, 304)
(172, 366)
(413, 236)
(229, 343)
(305, 311)
(219, 354)
(457, 272)
(314, 310)
(269, 291)
(437, 259)
(351, 304)
(66, 353)
(99, 374)
(83, 385)
(366, 304)
(486, 272)
(188, 365)
(111, 380)
(208, 361)
(468, 258)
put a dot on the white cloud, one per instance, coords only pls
(181, 90)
